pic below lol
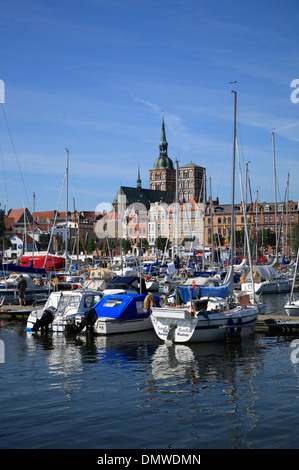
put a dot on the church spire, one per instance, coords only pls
(138, 179)
(163, 142)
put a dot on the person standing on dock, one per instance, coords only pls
(21, 287)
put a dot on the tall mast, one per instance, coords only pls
(33, 241)
(177, 207)
(232, 240)
(275, 198)
(67, 191)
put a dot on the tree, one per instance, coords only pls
(143, 243)
(294, 237)
(161, 243)
(2, 226)
(126, 245)
(5, 243)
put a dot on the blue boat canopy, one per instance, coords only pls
(188, 293)
(123, 306)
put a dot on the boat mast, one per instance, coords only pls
(67, 190)
(212, 224)
(275, 198)
(229, 278)
(177, 208)
(232, 239)
(33, 241)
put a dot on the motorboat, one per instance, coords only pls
(37, 288)
(125, 284)
(61, 309)
(118, 313)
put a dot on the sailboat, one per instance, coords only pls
(209, 314)
(292, 304)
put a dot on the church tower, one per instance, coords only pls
(162, 176)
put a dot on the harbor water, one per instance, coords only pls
(135, 392)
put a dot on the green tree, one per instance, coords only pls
(294, 237)
(161, 243)
(4, 243)
(127, 245)
(2, 226)
(144, 244)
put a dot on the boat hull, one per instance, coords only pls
(9, 297)
(292, 308)
(110, 326)
(268, 287)
(178, 325)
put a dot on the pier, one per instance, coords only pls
(16, 312)
(266, 323)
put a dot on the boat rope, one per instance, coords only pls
(16, 156)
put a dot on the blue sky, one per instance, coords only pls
(93, 76)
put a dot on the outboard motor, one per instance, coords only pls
(45, 320)
(90, 317)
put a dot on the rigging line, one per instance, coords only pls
(224, 120)
(14, 149)
(3, 169)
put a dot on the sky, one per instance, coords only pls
(96, 76)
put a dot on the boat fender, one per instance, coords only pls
(149, 300)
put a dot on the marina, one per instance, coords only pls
(133, 391)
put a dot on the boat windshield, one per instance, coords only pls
(72, 301)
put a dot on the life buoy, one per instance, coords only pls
(149, 300)
(55, 281)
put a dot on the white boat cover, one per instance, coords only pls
(262, 273)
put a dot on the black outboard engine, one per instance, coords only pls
(88, 321)
(45, 320)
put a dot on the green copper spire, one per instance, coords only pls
(163, 142)
(138, 179)
(163, 162)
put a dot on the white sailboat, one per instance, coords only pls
(292, 304)
(209, 315)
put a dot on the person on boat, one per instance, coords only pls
(21, 287)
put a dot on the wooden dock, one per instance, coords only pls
(15, 312)
(283, 324)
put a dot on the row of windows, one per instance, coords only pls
(157, 175)
(259, 219)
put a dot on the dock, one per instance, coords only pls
(266, 323)
(16, 312)
(283, 324)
